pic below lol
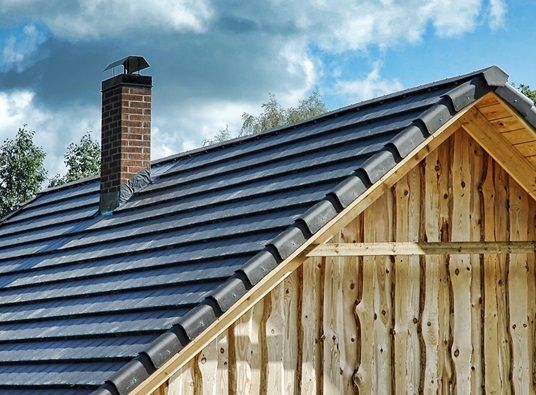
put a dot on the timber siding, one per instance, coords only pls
(433, 324)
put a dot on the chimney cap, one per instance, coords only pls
(131, 64)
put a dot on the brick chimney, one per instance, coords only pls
(125, 134)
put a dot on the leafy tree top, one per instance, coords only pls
(22, 170)
(82, 160)
(273, 115)
(525, 89)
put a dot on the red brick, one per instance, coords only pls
(126, 134)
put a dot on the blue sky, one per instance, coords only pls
(213, 60)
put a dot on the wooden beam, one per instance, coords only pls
(285, 268)
(515, 164)
(514, 113)
(416, 248)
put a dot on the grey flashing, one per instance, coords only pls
(437, 115)
(229, 292)
(516, 99)
(408, 139)
(378, 165)
(111, 200)
(197, 320)
(165, 346)
(318, 215)
(288, 241)
(349, 189)
(259, 266)
(135, 184)
(130, 376)
(495, 76)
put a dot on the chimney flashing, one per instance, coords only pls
(133, 80)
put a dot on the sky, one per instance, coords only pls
(212, 60)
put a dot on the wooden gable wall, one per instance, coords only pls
(397, 324)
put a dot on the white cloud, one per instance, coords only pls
(18, 49)
(53, 131)
(356, 25)
(94, 19)
(281, 50)
(372, 85)
(301, 68)
(452, 18)
(497, 13)
(185, 128)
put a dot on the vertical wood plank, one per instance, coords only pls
(493, 374)
(518, 292)
(460, 265)
(501, 232)
(275, 328)
(231, 365)
(256, 348)
(222, 377)
(380, 229)
(402, 289)
(248, 351)
(366, 374)
(430, 315)
(532, 291)
(182, 382)
(407, 287)
(242, 352)
(350, 294)
(446, 363)
(414, 229)
(207, 366)
(476, 158)
(311, 319)
(290, 334)
(333, 324)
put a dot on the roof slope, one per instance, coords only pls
(91, 301)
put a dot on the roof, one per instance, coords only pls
(92, 302)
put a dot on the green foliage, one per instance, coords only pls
(22, 171)
(82, 160)
(221, 136)
(273, 115)
(525, 89)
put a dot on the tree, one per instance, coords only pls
(81, 159)
(22, 170)
(221, 136)
(525, 89)
(273, 115)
